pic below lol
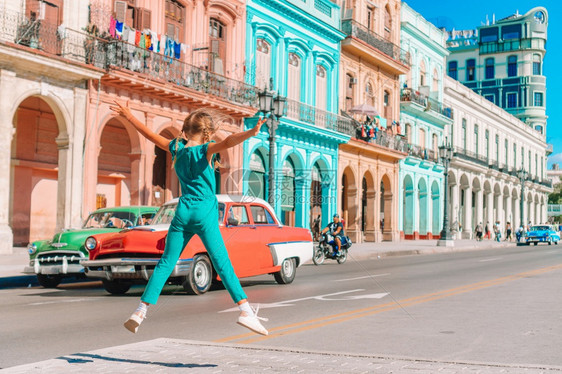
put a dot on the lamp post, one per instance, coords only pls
(522, 174)
(446, 155)
(275, 105)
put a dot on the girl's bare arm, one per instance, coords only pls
(158, 140)
(234, 139)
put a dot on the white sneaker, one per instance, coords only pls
(134, 321)
(252, 322)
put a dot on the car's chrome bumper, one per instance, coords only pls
(55, 264)
(130, 268)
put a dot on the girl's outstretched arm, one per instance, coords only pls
(124, 111)
(234, 139)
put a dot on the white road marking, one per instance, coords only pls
(491, 259)
(365, 277)
(319, 297)
(64, 301)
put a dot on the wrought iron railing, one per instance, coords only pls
(317, 117)
(408, 94)
(423, 153)
(359, 31)
(110, 54)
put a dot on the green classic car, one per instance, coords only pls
(60, 257)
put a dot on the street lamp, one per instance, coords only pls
(522, 174)
(446, 155)
(272, 103)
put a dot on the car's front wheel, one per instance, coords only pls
(288, 271)
(49, 281)
(116, 287)
(200, 277)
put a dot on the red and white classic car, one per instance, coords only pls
(256, 241)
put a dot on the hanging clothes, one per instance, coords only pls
(112, 24)
(131, 41)
(138, 35)
(177, 50)
(118, 29)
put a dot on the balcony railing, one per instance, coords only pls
(357, 30)
(317, 117)
(110, 54)
(408, 94)
(422, 153)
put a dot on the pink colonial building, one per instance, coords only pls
(64, 63)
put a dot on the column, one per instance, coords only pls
(500, 212)
(467, 227)
(64, 177)
(490, 209)
(479, 204)
(7, 84)
(76, 154)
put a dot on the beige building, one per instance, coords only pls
(371, 63)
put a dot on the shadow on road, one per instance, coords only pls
(91, 357)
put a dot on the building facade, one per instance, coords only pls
(424, 118)
(503, 61)
(66, 62)
(491, 148)
(368, 175)
(295, 45)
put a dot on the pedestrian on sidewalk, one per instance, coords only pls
(479, 232)
(508, 231)
(487, 230)
(193, 158)
(497, 231)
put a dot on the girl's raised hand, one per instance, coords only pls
(121, 110)
(257, 127)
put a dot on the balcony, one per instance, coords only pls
(318, 118)
(362, 41)
(471, 156)
(422, 153)
(549, 149)
(122, 64)
(430, 109)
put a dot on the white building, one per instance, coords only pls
(490, 147)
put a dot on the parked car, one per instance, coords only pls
(52, 260)
(543, 234)
(256, 242)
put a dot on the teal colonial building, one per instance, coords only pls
(423, 121)
(296, 43)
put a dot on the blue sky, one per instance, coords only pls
(470, 14)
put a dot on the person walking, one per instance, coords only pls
(197, 210)
(508, 231)
(479, 232)
(497, 231)
(487, 233)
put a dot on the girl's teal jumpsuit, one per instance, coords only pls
(196, 213)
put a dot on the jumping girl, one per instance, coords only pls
(197, 210)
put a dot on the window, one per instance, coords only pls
(453, 66)
(489, 34)
(217, 41)
(421, 141)
(387, 107)
(257, 178)
(470, 69)
(370, 17)
(175, 20)
(537, 65)
(464, 133)
(514, 155)
(476, 139)
(125, 11)
(512, 100)
(349, 83)
(261, 216)
(422, 73)
(408, 133)
(370, 94)
(538, 96)
(387, 22)
(321, 88)
(497, 148)
(490, 69)
(487, 139)
(506, 147)
(435, 87)
(512, 66)
(435, 145)
(294, 83)
(511, 32)
(238, 212)
(491, 97)
(263, 64)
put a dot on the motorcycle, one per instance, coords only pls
(327, 248)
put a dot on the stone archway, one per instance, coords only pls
(165, 184)
(386, 219)
(435, 210)
(408, 214)
(35, 171)
(423, 207)
(368, 195)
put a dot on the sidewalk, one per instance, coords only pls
(11, 265)
(185, 356)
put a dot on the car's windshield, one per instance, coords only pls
(540, 228)
(118, 220)
(166, 214)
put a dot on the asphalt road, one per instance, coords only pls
(495, 306)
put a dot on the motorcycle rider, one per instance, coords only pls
(336, 229)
